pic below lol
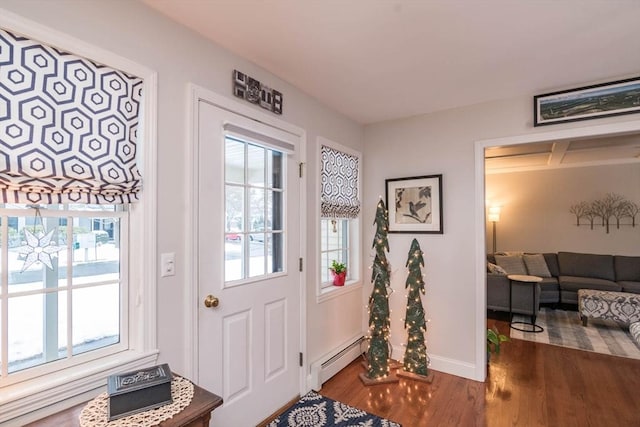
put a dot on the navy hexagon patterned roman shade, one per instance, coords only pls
(339, 180)
(68, 127)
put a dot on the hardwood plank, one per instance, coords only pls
(528, 384)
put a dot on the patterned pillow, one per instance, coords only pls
(536, 265)
(512, 264)
(496, 269)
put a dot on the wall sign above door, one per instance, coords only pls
(255, 92)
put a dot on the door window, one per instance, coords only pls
(254, 220)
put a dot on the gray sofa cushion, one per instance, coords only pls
(552, 263)
(630, 286)
(536, 265)
(627, 268)
(586, 265)
(549, 290)
(512, 264)
(573, 283)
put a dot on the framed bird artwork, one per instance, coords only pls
(415, 204)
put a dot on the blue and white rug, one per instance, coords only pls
(314, 410)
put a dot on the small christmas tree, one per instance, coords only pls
(379, 322)
(416, 361)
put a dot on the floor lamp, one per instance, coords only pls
(494, 217)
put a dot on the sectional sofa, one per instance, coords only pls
(564, 275)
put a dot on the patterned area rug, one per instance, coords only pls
(314, 410)
(564, 328)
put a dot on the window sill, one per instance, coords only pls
(37, 398)
(331, 292)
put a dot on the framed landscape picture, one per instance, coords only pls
(415, 204)
(589, 102)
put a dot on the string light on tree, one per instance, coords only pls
(416, 361)
(378, 353)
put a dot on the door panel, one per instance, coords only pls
(248, 250)
(275, 345)
(237, 357)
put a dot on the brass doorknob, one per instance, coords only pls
(211, 301)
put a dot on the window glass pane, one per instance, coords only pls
(275, 261)
(234, 215)
(256, 165)
(257, 254)
(233, 259)
(234, 161)
(324, 234)
(324, 268)
(96, 317)
(276, 169)
(276, 208)
(34, 261)
(96, 253)
(35, 322)
(256, 209)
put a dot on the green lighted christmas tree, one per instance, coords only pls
(379, 322)
(415, 356)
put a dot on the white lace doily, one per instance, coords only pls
(94, 414)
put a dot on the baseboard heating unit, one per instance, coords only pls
(331, 363)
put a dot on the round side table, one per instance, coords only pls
(524, 326)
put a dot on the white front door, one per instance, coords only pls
(248, 251)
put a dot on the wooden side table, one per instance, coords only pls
(197, 414)
(520, 326)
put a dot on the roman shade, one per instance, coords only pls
(339, 180)
(68, 127)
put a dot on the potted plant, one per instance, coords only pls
(494, 339)
(339, 272)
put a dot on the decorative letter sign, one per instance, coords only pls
(255, 92)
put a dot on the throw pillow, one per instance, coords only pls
(512, 264)
(496, 269)
(536, 265)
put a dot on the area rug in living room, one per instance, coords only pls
(564, 328)
(315, 410)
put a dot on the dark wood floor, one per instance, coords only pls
(528, 384)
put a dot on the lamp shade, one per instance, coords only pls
(494, 214)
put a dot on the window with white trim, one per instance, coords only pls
(72, 214)
(339, 211)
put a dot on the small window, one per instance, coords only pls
(335, 247)
(339, 211)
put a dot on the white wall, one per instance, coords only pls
(130, 29)
(535, 213)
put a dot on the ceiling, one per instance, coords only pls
(378, 60)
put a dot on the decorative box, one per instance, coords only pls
(139, 391)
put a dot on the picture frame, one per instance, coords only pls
(588, 102)
(415, 204)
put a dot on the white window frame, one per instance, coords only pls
(246, 187)
(326, 291)
(56, 390)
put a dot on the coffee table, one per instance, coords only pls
(524, 326)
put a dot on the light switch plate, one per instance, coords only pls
(168, 264)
